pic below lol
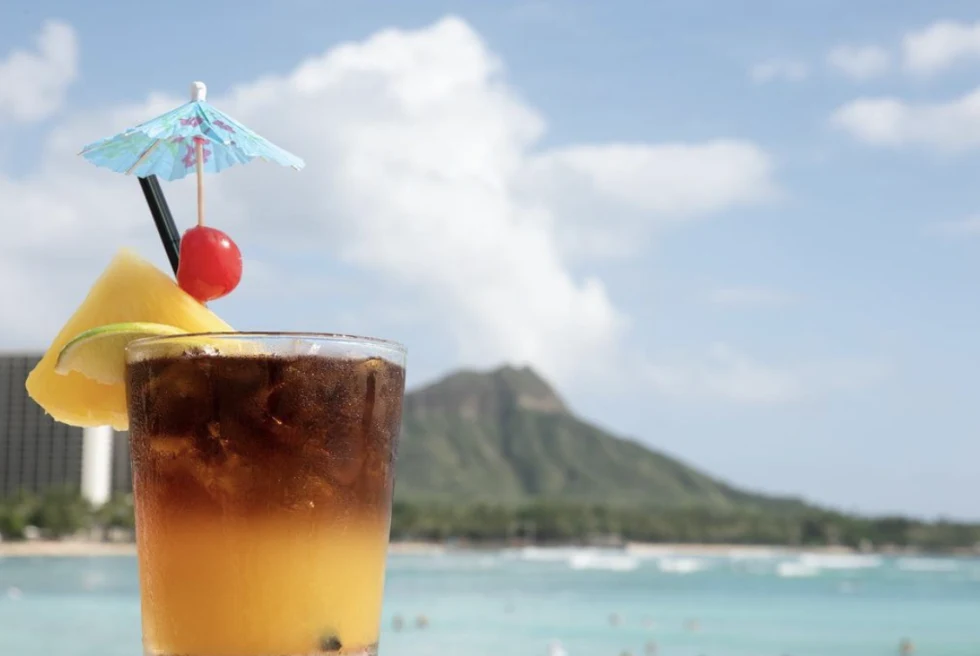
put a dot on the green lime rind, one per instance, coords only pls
(100, 353)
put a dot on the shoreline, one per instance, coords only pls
(33, 548)
(82, 548)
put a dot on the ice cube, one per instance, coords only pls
(169, 447)
(306, 392)
(177, 397)
(229, 481)
(209, 442)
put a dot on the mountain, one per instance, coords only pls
(505, 436)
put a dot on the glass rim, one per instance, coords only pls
(335, 338)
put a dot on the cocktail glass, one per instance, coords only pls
(263, 467)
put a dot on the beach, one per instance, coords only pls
(35, 548)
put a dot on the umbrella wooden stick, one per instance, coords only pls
(199, 93)
(200, 181)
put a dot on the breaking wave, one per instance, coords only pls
(926, 565)
(796, 570)
(840, 561)
(682, 565)
(608, 562)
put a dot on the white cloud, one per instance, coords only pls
(33, 84)
(423, 171)
(952, 126)
(748, 297)
(940, 46)
(667, 180)
(651, 184)
(859, 62)
(788, 70)
(726, 374)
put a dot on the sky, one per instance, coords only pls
(746, 234)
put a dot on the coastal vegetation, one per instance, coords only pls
(564, 523)
(61, 513)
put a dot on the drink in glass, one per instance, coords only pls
(262, 481)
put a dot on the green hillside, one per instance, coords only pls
(506, 437)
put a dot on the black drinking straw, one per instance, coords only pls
(162, 217)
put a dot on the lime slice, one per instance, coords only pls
(100, 353)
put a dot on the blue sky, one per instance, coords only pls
(746, 235)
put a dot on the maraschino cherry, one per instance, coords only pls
(210, 263)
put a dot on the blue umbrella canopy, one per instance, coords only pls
(193, 137)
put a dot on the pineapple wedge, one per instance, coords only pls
(129, 290)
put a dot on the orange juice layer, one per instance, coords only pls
(259, 586)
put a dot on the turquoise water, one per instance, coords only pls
(515, 603)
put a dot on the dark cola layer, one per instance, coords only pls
(265, 432)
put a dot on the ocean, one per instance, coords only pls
(596, 603)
